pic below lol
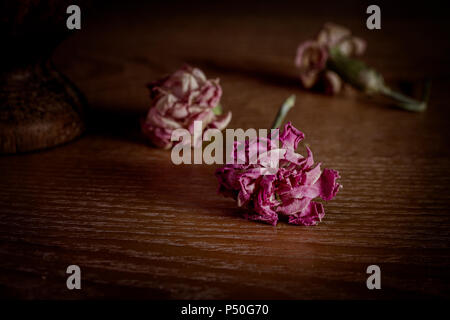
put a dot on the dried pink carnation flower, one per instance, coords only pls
(312, 57)
(180, 99)
(328, 61)
(335, 36)
(311, 60)
(288, 192)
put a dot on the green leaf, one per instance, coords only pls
(217, 110)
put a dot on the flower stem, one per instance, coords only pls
(282, 112)
(370, 81)
(405, 102)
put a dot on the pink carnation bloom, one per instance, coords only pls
(333, 35)
(312, 57)
(180, 99)
(288, 192)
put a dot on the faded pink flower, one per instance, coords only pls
(333, 35)
(180, 99)
(311, 60)
(312, 56)
(332, 83)
(288, 192)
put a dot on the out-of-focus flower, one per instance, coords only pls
(288, 192)
(335, 36)
(332, 83)
(311, 59)
(312, 56)
(327, 62)
(180, 99)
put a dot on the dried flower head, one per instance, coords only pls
(313, 55)
(180, 99)
(287, 192)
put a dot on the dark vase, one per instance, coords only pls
(39, 107)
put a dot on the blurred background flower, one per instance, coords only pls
(180, 99)
(312, 57)
(328, 61)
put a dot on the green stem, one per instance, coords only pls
(403, 101)
(282, 112)
(370, 81)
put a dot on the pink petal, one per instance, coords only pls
(293, 206)
(221, 122)
(291, 137)
(328, 185)
(310, 216)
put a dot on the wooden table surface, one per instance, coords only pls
(140, 227)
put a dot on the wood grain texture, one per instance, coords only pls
(141, 227)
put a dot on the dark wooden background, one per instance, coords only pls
(141, 227)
